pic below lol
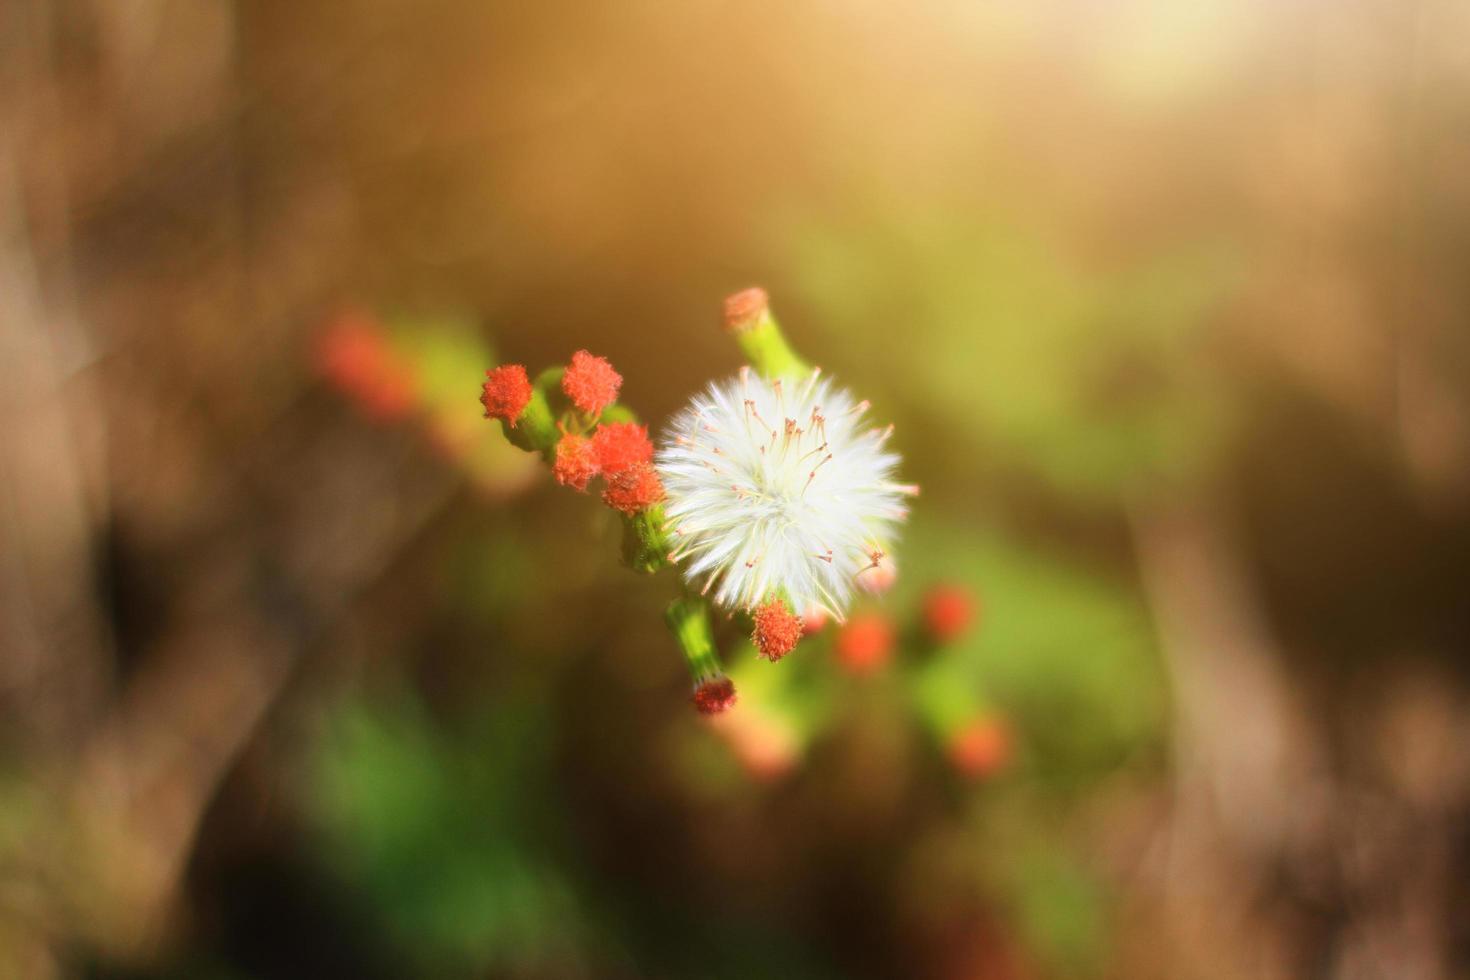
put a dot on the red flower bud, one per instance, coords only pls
(777, 629)
(865, 643)
(621, 445)
(506, 393)
(576, 463)
(948, 612)
(590, 382)
(633, 490)
(982, 747)
(714, 695)
(354, 354)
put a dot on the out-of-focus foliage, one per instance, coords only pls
(1070, 655)
(446, 836)
(1096, 375)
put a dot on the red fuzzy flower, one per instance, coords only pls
(576, 463)
(948, 612)
(714, 695)
(634, 489)
(865, 644)
(507, 392)
(590, 382)
(621, 445)
(982, 747)
(777, 629)
(742, 309)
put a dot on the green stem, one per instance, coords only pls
(645, 544)
(766, 348)
(688, 619)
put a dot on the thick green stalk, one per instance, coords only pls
(688, 619)
(645, 544)
(766, 348)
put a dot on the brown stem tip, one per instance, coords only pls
(744, 308)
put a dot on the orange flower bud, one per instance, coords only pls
(865, 643)
(777, 629)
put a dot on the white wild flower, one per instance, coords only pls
(779, 489)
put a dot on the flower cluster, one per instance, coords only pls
(588, 442)
(770, 491)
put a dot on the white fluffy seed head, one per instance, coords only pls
(779, 488)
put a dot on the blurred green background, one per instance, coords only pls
(304, 672)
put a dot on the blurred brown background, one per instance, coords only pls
(1168, 301)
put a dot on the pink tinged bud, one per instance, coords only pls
(777, 629)
(766, 748)
(714, 695)
(879, 574)
(982, 748)
(745, 308)
(814, 621)
(506, 393)
(865, 643)
(634, 490)
(621, 445)
(948, 612)
(590, 382)
(576, 463)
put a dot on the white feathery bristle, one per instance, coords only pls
(779, 488)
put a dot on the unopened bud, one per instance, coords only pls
(814, 621)
(879, 575)
(745, 308)
(981, 748)
(948, 612)
(714, 695)
(865, 643)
